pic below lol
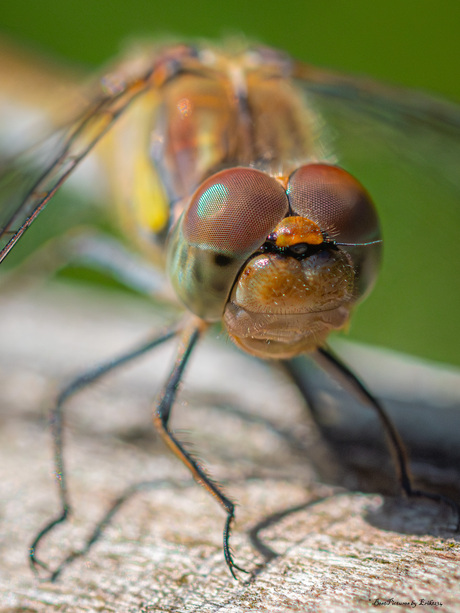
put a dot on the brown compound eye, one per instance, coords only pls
(233, 211)
(336, 201)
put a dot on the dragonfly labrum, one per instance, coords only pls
(225, 172)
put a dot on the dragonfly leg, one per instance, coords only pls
(161, 417)
(57, 421)
(339, 371)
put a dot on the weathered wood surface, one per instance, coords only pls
(313, 547)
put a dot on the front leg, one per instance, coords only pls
(161, 417)
(340, 372)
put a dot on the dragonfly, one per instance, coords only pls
(237, 168)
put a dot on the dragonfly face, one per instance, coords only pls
(262, 253)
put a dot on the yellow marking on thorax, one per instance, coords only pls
(149, 201)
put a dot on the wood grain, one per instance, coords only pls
(311, 546)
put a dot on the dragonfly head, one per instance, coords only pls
(282, 264)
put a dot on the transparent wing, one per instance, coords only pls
(405, 147)
(29, 181)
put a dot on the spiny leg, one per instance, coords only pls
(339, 371)
(161, 417)
(56, 422)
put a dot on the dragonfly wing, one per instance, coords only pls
(68, 149)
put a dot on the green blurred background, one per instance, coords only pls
(415, 43)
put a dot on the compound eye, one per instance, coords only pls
(233, 211)
(335, 200)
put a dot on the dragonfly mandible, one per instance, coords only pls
(226, 170)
